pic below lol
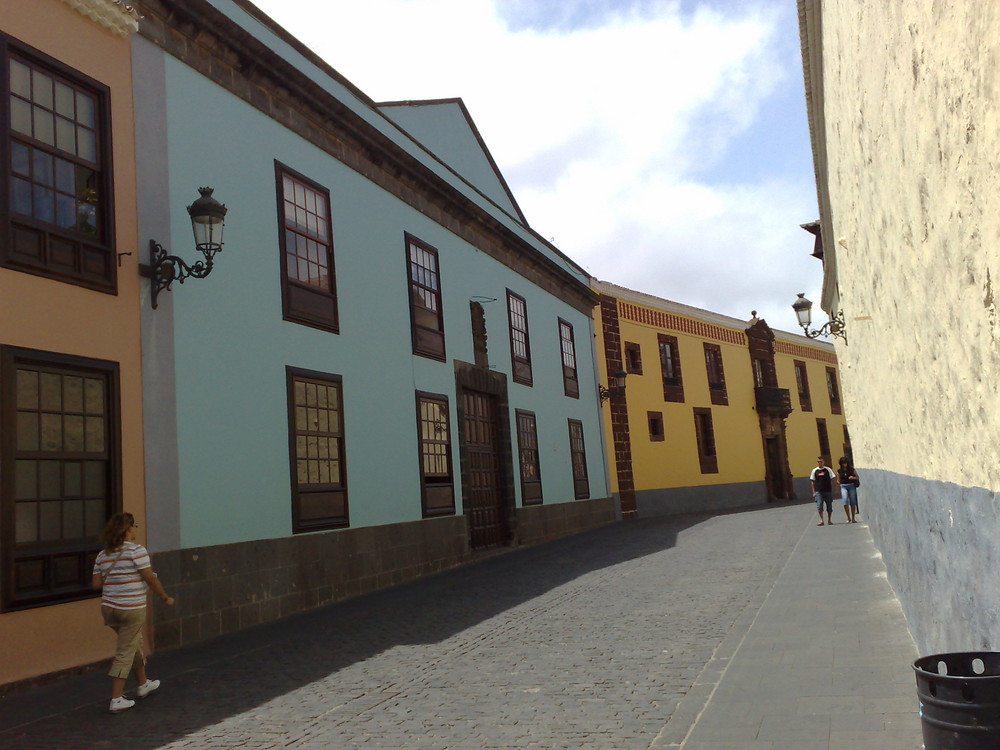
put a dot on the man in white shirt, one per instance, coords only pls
(821, 481)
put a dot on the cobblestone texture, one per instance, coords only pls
(588, 642)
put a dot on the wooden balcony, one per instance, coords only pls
(776, 401)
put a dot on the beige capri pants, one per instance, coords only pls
(127, 623)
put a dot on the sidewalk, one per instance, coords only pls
(751, 630)
(822, 664)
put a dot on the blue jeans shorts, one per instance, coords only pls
(849, 494)
(824, 498)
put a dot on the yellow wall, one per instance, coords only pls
(673, 462)
(800, 426)
(43, 314)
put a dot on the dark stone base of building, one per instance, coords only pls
(938, 542)
(539, 523)
(707, 499)
(225, 588)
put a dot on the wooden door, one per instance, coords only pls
(777, 473)
(482, 495)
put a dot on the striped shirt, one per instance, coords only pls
(124, 587)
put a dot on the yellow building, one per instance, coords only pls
(70, 385)
(715, 412)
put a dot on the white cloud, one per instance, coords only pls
(601, 132)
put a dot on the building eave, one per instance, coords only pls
(116, 16)
(811, 42)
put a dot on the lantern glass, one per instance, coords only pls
(207, 220)
(803, 310)
(207, 231)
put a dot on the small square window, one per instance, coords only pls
(655, 420)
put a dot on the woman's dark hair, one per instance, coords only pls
(844, 461)
(116, 529)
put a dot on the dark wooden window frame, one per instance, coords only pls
(435, 488)
(428, 341)
(716, 374)
(301, 302)
(520, 363)
(61, 253)
(335, 490)
(80, 553)
(705, 439)
(567, 350)
(833, 388)
(633, 358)
(823, 437)
(673, 383)
(578, 460)
(530, 469)
(802, 385)
(656, 429)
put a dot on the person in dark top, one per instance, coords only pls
(821, 481)
(847, 475)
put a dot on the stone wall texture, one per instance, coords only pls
(910, 99)
(224, 588)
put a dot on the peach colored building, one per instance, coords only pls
(71, 448)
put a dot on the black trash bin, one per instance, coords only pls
(959, 700)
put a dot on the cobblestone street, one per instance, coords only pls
(586, 642)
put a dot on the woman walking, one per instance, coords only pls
(122, 571)
(848, 477)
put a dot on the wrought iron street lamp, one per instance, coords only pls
(835, 326)
(208, 218)
(617, 387)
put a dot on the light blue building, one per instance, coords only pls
(387, 369)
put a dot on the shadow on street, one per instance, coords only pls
(231, 674)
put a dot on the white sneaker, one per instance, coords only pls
(147, 687)
(120, 704)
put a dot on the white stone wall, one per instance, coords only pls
(913, 155)
(910, 92)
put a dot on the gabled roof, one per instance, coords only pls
(445, 127)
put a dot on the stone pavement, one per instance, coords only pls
(754, 629)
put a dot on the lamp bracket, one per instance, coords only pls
(603, 393)
(164, 269)
(835, 326)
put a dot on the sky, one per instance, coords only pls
(661, 144)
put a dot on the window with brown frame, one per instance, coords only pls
(56, 206)
(705, 439)
(434, 434)
(833, 390)
(655, 420)
(316, 448)
(633, 359)
(578, 459)
(716, 375)
(571, 384)
(520, 349)
(802, 384)
(426, 317)
(309, 288)
(670, 366)
(527, 451)
(61, 472)
(824, 439)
